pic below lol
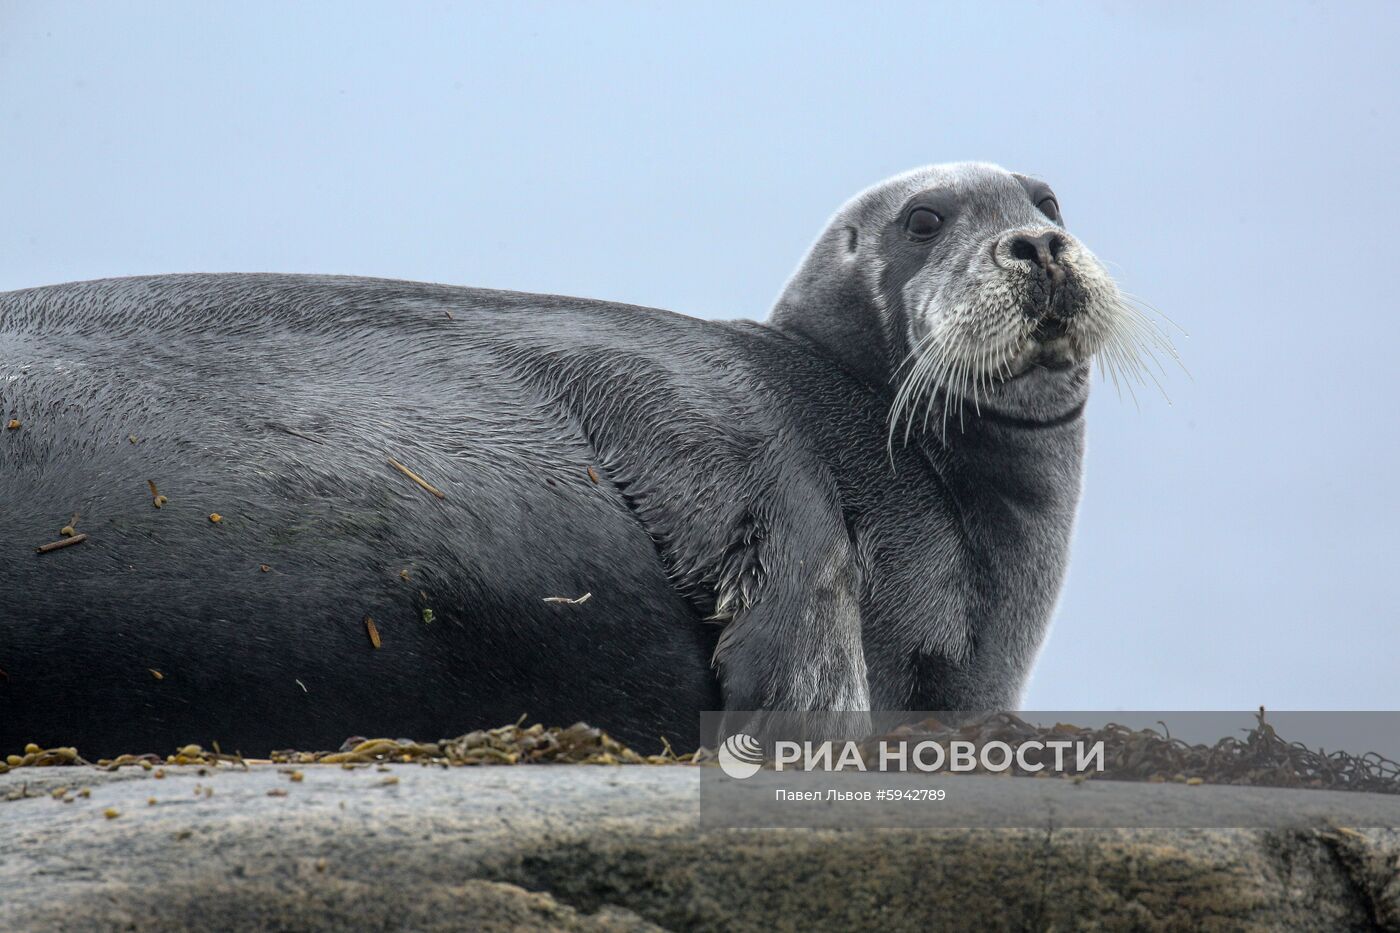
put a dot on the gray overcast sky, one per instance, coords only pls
(1234, 163)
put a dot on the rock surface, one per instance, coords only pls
(619, 848)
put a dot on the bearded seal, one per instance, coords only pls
(393, 508)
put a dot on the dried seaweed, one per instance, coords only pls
(36, 757)
(508, 745)
(1261, 758)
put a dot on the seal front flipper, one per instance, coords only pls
(789, 587)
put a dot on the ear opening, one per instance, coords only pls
(852, 240)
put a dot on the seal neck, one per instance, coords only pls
(845, 328)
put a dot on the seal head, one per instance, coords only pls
(959, 283)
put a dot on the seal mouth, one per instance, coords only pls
(1051, 327)
(1054, 362)
(1055, 353)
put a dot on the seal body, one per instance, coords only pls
(728, 497)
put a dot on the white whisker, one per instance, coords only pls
(969, 350)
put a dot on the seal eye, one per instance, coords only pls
(922, 223)
(1049, 208)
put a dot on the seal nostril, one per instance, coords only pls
(1043, 250)
(1023, 248)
